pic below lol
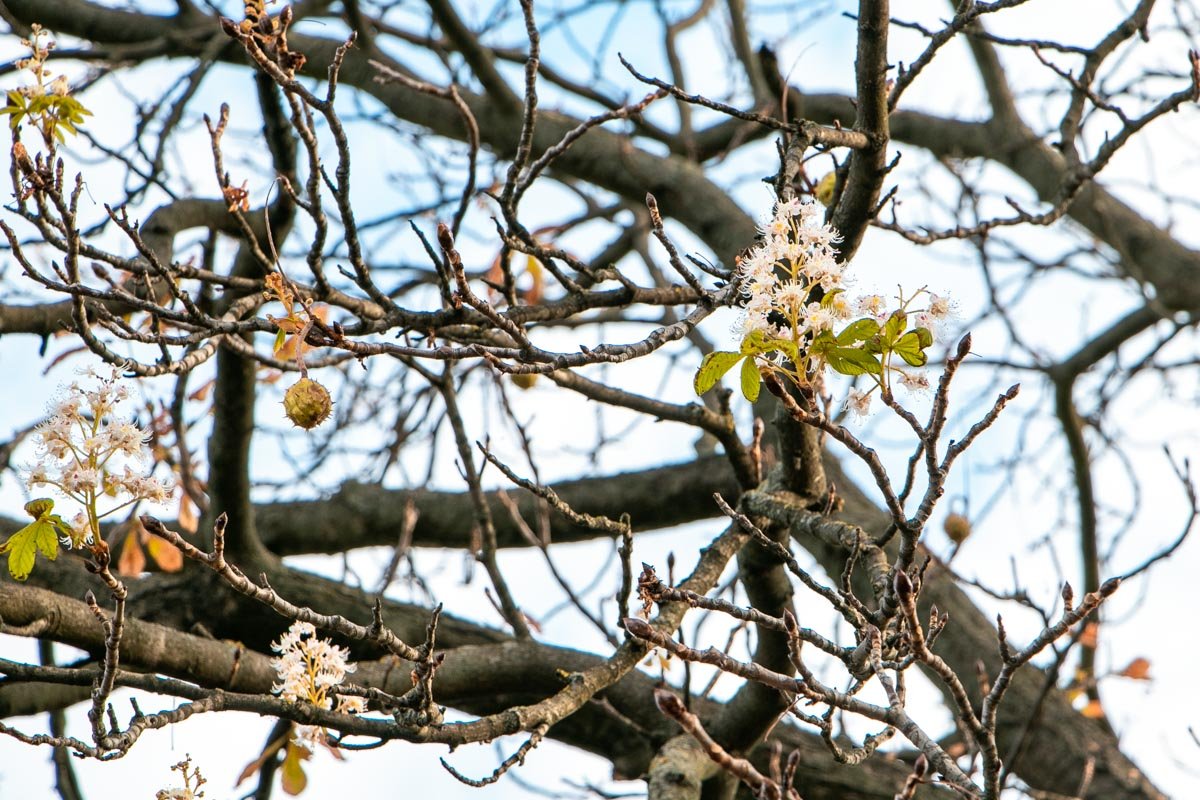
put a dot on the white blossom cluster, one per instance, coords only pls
(83, 451)
(780, 279)
(174, 794)
(795, 256)
(309, 669)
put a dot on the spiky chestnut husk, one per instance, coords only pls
(307, 403)
(957, 527)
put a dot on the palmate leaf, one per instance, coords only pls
(911, 347)
(858, 331)
(41, 535)
(758, 343)
(893, 327)
(751, 380)
(852, 361)
(16, 107)
(712, 368)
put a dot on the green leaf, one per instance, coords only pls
(714, 365)
(22, 547)
(789, 349)
(756, 343)
(858, 331)
(822, 343)
(291, 774)
(909, 348)
(924, 336)
(852, 361)
(16, 104)
(281, 337)
(894, 327)
(751, 380)
(827, 300)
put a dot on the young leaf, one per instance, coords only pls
(858, 331)
(291, 774)
(751, 380)
(756, 343)
(23, 546)
(41, 535)
(894, 327)
(852, 361)
(827, 300)
(789, 349)
(909, 348)
(714, 365)
(822, 343)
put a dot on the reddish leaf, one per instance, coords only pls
(1090, 636)
(188, 521)
(268, 752)
(132, 560)
(165, 554)
(1138, 670)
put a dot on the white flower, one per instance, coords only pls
(940, 307)
(818, 319)
(839, 305)
(859, 402)
(791, 296)
(789, 208)
(872, 305)
(309, 736)
(778, 226)
(174, 794)
(309, 669)
(914, 381)
(81, 447)
(923, 319)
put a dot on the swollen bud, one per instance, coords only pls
(957, 527)
(668, 703)
(307, 403)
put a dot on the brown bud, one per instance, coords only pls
(444, 236)
(638, 627)
(668, 703)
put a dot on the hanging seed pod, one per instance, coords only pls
(957, 527)
(307, 403)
